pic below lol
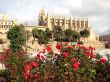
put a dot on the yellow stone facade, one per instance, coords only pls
(5, 24)
(76, 24)
(46, 21)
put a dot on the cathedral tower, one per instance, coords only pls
(42, 19)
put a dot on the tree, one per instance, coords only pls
(76, 36)
(35, 33)
(69, 34)
(17, 37)
(85, 33)
(48, 34)
(40, 35)
(58, 33)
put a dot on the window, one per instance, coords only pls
(6, 23)
(1, 23)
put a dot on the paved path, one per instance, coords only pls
(103, 52)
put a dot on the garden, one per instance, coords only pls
(71, 63)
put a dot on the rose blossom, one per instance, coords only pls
(27, 75)
(3, 57)
(74, 59)
(49, 49)
(38, 56)
(35, 75)
(65, 55)
(91, 55)
(59, 46)
(87, 53)
(76, 65)
(8, 50)
(43, 58)
(27, 68)
(103, 60)
(35, 64)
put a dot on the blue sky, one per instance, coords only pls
(98, 11)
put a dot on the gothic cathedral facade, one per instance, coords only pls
(76, 24)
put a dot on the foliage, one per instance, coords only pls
(58, 33)
(80, 42)
(71, 63)
(4, 76)
(35, 33)
(48, 34)
(71, 35)
(14, 63)
(102, 66)
(40, 35)
(85, 33)
(17, 37)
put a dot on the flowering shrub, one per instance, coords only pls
(102, 66)
(14, 63)
(71, 63)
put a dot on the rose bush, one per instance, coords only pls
(14, 63)
(71, 63)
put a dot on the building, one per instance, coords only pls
(105, 39)
(5, 24)
(47, 21)
(77, 24)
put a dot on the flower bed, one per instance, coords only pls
(71, 63)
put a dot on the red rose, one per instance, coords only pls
(38, 56)
(76, 65)
(65, 55)
(49, 49)
(43, 58)
(74, 59)
(36, 76)
(56, 54)
(103, 60)
(59, 46)
(91, 48)
(26, 75)
(27, 68)
(4, 56)
(87, 53)
(8, 50)
(91, 55)
(84, 48)
(35, 64)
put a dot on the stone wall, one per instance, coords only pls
(97, 45)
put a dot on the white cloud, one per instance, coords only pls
(98, 11)
(72, 3)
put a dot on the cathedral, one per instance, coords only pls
(77, 24)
